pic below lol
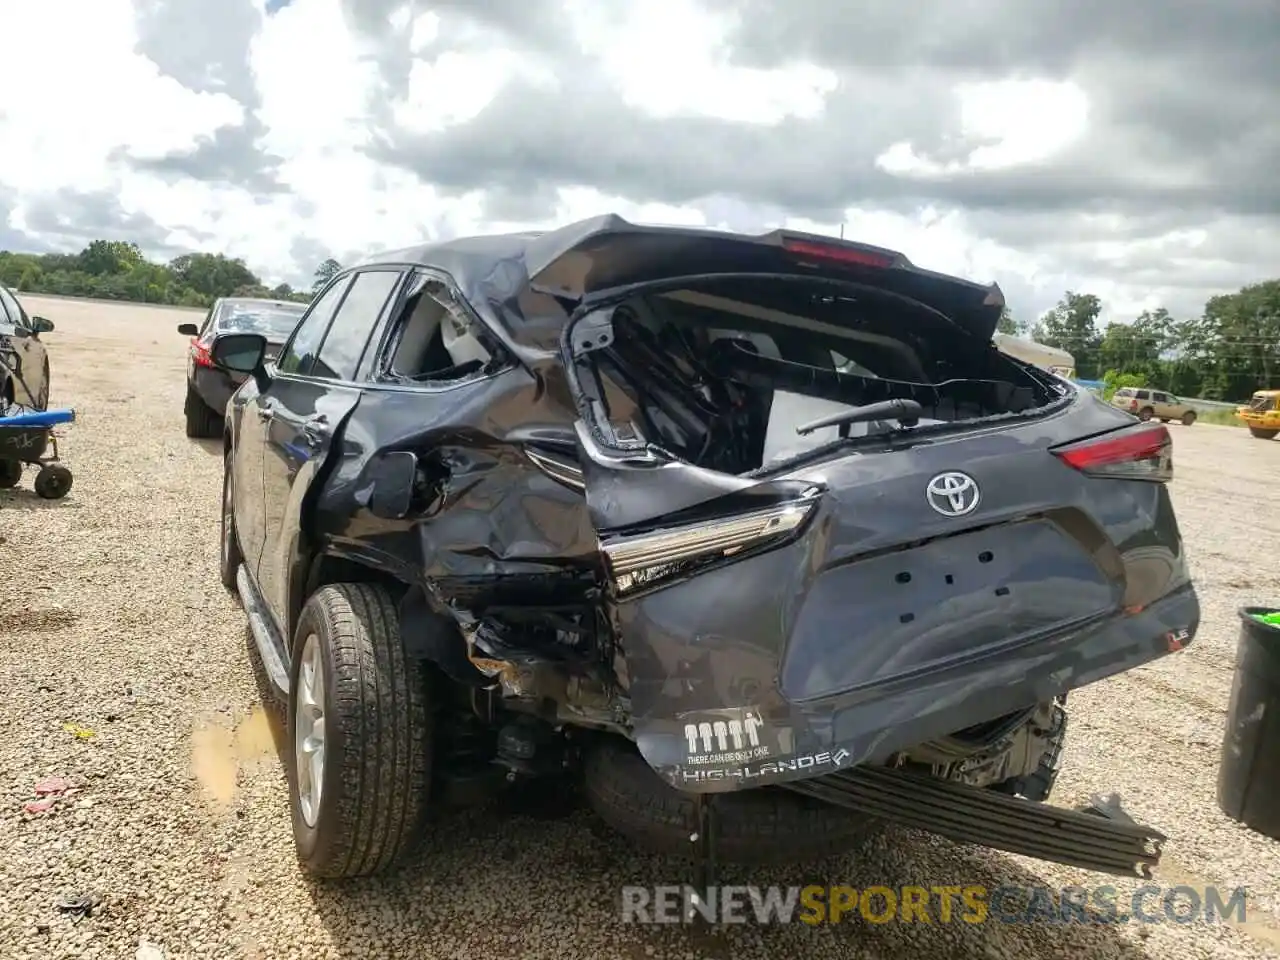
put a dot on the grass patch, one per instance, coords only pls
(1223, 418)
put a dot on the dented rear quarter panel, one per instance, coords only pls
(490, 518)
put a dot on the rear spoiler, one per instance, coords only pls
(592, 259)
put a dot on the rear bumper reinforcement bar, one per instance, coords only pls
(1104, 838)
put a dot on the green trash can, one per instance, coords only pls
(1249, 771)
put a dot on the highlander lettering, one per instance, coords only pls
(808, 761)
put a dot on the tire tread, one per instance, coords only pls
(380, 712)
(756, 826)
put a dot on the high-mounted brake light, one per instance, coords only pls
(1137, 453)
(840, 252)
(200, 355)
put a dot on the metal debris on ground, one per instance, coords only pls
(80, 904)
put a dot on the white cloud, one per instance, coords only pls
(684, 72)
(318, 86)
(313, 81)
(1018, 122)
(454, 87)
(61, 116)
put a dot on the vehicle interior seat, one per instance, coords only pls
(431, 344)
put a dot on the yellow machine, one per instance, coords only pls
(1262, 414)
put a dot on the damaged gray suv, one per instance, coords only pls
(754, 532)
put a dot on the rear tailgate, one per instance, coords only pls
(871, 602)
(594, 259)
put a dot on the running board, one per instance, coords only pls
(1104, 838)
(263, 634)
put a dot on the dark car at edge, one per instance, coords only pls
(210, 387)
(24, 361)
(763, 529)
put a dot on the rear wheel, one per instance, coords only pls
(202, 421)
(756, 826)
(1146, 413)
(1263, 434)
(1189, 418)
(10, 473)
(362, 735)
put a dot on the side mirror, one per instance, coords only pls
(390, 485)
(41, 325)
(188, 330)
(239, 352)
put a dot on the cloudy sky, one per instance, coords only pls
(1130, 149)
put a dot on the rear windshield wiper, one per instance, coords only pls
(906, 412)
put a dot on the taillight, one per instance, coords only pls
(1135, 453)
(647, 560)
(842, 252)
(200, 354)
(1133, 404)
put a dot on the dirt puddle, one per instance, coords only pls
(220, 753)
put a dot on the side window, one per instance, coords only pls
(435, 339)
(344, 345)
(299, 353)
(1142, 395)
(208, 319)
(10, 312)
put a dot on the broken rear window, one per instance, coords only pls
(721, 374)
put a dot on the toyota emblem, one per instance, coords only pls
(953, 494)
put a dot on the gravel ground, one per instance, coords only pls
(113, 619)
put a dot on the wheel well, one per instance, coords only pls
(327, 568)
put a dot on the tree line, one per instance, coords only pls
(1226, 353)
(118, 270)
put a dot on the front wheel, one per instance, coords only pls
(10, 473)
(361, 732)
(229, 555)
(53, 482)
(1188, 418)
(1262, 433)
